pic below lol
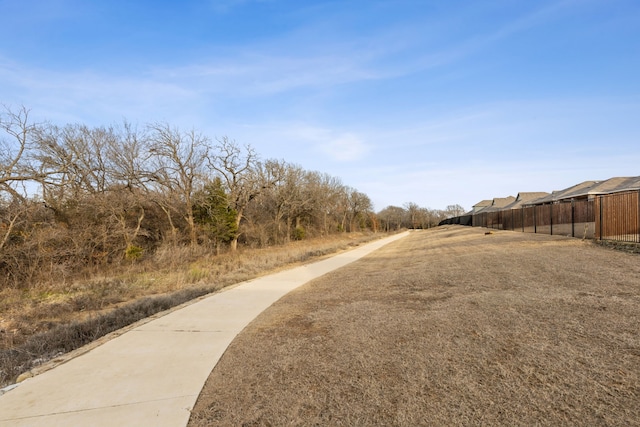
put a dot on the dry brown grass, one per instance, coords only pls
(446, 327)
(43, 322)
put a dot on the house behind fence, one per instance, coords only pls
(603, 210)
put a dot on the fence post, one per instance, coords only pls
(535, 220)
(551, 219)
(573, 222)
(638, 216)
(600, 214)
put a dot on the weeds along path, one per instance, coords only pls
(446, 327)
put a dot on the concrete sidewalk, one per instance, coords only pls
(153, 374)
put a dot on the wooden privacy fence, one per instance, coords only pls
(605, 217)
(618, 217)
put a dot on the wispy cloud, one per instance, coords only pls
(89, 95)
(422, 54)
(345, 147)
(337, 146)
(239, 76)
(260, 74)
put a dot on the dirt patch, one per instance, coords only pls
(445, 327)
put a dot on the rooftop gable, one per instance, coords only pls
(483, 203)
(525, 197)
(500, 202)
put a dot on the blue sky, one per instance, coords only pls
(431, 102)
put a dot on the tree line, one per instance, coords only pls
(412, 216)
(74, 196)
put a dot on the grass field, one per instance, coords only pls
(445, 327)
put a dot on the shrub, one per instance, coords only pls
(133, 252)
(299, 233)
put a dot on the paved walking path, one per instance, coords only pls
(153, 374)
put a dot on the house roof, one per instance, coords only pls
(501, 202)
(613, 185)
(584, 189)
(498, 203)
(567, 193)
(525, 197)
(590, 188)
(483, 204)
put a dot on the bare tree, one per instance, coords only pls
(178, 159)
(359, 207)
(268, 209)
(392, 218)
(242, 175)
(16, 141)
(18, 137)
(412, 211)
(454, 211)
(293, 200)
(74, 162)
(128, 157)
(333, 195)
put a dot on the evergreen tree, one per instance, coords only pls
(214, 215)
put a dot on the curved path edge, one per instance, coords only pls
(152, 374)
